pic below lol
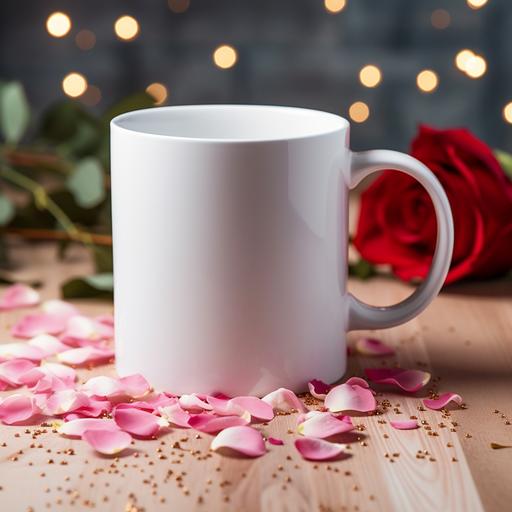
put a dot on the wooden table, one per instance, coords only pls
(464, 338)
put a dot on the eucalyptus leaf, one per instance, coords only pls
(99, 285)
(103, 260)
(505, 160)
(362, 269)
(14, 112)
(87, 183)
(61, 121)
(134, 102)
(7, 210)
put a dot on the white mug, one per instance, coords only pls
(230, 246)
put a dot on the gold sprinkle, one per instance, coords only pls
(497, 446)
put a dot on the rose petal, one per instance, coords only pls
(346, 397)
(443, 400)
(225, 406)
(75, 428)
(17, 408)
(20, 350)
(83, 331)
(357, 381)
(59, 308)
(318, 388)
(154, 403)
(284, 400)
(176, 415)
(47, 344)
(12, 371)
(256, 407)
(85, 355)
(408, 380)
(324, 424)
(194, 403)
(65, 401)
(18, 296)
(49, 377)
(133, 386)
(373, 347)
(210, 424)
(35, 324)
(95, 408)
(243, 439)
(404, 424)
(275, 441)
(138, 422)
(107, 441)
(318, 449)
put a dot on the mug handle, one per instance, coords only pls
(364, 316)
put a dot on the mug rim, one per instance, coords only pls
(332, 123)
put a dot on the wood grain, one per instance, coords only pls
(464, 339)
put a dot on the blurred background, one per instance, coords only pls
(386, 64)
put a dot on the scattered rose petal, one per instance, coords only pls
(37, 323)
(95, 408)
(284, 400)
(373, 347)
(49, 377)
(211, 424)
(194, 403)
(318, 388)
(408, 380)
(443, 400)
(275, 441)
(64, 401)
(133, 386)
(318, 449)
(18, 296)
(176, 415)
(404, 424)
(225, 406)
(346, 397)
(242, 439)
(12, 371)
(75, 428)
(256, 407)
(108, 442)
(154, 403)
(324, 424)
(20, 350)
(138, 422)
(17, 408)
(358, 381)
(82, 331)
(85, 355)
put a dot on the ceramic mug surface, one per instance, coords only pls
(230, 227)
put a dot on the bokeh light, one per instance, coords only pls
(507, 112)
(427, 80)
(475, 66)
(126, 28)
(462, 58)
(334, 6)
(178, 6)
(74, 84)
(359, 111)
(85, 39)
(158, 92)
(440, 19)
(92, 96)
(370, 76)
(476, 4)
(58, 24)
(225, 56)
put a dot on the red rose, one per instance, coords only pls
(397, 224)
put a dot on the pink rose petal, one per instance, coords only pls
(358, 381)
(85, 355)
(108, 442)
(18, 296)
(256, 407)
(75, 428)
(176, 415)
(133, 386)
(194, 403)
(443, 400)
(82, 331)
(318, 449)
(324, 424)
(12, 371)
(318, 388)
(35, 324)
(404, 424)
(59, 308)
(225, 406)
(275, 441)
(49, 377)
(95, 408)
(284, 400)
(20, 350)
(408, 380)
(64, 401)
(346, 397)
(210, 424)
(243, 439)
(373, 347)
(138, 422)
(17, 408)
(154, 403)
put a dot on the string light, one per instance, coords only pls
(507, 112)
(178, 6)
(440, 19)
(158, 92)
(370, 76)
(85, 39)
(359, 112)
(476, 66)
(427, 80)
(74, 84)
(225, 56)
(58, 24)
(476, 4)
(126, 28)
(462, 58)
(334, 6)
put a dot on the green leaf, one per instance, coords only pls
(62, 120)
(103, 260)
(362, 269)
(7, 210)
(14, 111)
(505, 160)
(87, 183)
(134, 102)
(99, 285)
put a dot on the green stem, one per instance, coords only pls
(44, 201)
